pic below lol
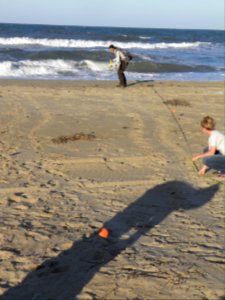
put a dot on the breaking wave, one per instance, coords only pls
(46, 68)
(69, 68)
(72, 43)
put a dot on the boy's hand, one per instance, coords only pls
(196, 157)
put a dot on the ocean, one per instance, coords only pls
(81, 53)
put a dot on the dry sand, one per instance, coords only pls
(134, 176)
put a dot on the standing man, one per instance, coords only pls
(120, 62)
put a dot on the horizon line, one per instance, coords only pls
(110, 26)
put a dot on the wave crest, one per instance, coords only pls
(71, 43)
(46, 68)
(69, 68)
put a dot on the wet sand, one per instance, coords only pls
(78, 156)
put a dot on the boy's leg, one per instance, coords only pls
(216, 162)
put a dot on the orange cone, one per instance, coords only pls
(173, 110)
(104, 233)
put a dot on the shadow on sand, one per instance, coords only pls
(64, 277)
(141, 82)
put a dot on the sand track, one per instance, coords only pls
(166, 223)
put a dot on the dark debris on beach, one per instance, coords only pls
(177, 102)
(75, 137)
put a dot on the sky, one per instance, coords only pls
(180, 14)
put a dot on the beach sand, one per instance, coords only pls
(79, 156)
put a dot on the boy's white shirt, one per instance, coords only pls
(217, 139)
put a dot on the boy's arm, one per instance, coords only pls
(210, 152)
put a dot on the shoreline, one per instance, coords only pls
(101, 83)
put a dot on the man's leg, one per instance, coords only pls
(121, 75)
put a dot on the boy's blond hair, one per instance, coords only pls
(208, 123)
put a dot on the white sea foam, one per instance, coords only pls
(49, 68)
(85, 70)
(71, 43)
(28, 68)
(144, 37)
(95, 66)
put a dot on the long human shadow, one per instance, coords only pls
(63, 277)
